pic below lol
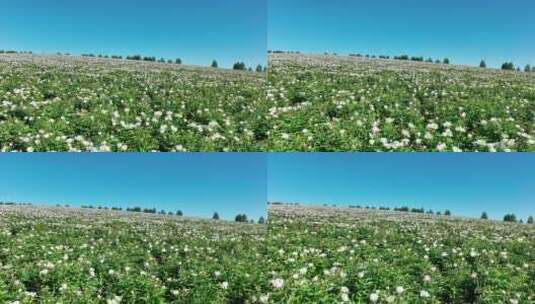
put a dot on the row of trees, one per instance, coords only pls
(510, 217)
(509, 66)
(403, 209)
(239, 218)
(237, 66)
(482, 64)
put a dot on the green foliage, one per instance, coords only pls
(509, 218)
(484, 216)
(95, 256)
(214, 64)
(508, 66)
(330, 255)
(482, 64)
(320, 103)
(239, 66)
(241, 218)
(122, 105)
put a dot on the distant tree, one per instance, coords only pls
(510, 217)
(430, 60)
(437, 61)
(162, 60)
(265, 69)
(178, 61)
(259, 68)
(239, 66)
(242, 218)
(261, 220)
(527, 68)
(482, 64)
(484, 216)
(439, 213)
(508, 66)
(179, 213)
(215, 216)
(447, 212)
(446, 61)
(214, 64)
(530, 219)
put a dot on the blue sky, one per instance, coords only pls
(197, 31)
(465, 183)
(197, 184)
(464, 31)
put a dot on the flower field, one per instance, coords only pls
(66, 103)
(68, 255)
(337, 103)
(346, 255)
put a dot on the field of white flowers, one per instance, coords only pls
(326, 103)
(343, 255)
(68, 255)
(66, 103)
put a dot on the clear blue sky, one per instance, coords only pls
(465, 31)
(467, 184)
(197, 184)
(197, 31)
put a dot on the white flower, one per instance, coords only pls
(114, 300)
(277, 283)
(223, 285)
(424, 294)
(400, 289)
(345, 297)
(174, 292)
(374, 297)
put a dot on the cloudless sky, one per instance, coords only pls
(464, 183)
(196, 183)
(197, 31)
(464, 31)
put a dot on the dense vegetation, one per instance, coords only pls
(68, 255)
(341, 103)
(58, 103)
(350, 255)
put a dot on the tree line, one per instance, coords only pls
(236, 66)
(507, 66)
(242, 218)
(510, 217)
